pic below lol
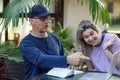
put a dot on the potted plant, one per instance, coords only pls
(10, 51)
(65, 38)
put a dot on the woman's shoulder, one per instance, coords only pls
(109, 35)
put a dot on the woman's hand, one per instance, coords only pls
(76, 58)
(108, 52)
(108, 42)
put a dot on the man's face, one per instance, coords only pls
(40, 24)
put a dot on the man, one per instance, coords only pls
(42, 50)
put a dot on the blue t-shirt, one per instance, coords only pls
(41, 54)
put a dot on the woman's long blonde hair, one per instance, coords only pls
(84, 47)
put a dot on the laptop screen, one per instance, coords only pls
(113, 64)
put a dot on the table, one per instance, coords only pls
(76, 77)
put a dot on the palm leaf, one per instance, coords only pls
(99, 12)
(19, 8)
(13, 10)
(15, 54)
(11, 51)
(66, 39)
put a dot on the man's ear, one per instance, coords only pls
(30, 20)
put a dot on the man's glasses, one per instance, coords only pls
(42, 18)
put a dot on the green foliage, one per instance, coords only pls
(65, 38)
(97, 10)
(10, 51)
(20, 8)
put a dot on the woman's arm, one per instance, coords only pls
(108, 52)
(118, 62)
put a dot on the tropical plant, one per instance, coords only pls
(19, 8)
(65, 38)
(10, 51)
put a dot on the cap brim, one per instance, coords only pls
(41, 15)
(45, 14)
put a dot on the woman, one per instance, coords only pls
(99, 47)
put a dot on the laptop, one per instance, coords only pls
(102, 75)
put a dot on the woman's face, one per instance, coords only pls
(91, 37)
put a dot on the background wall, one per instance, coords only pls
(116, 8)
(74, 13)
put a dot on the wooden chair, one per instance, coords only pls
(2, 71)
(90, 66)
(13, 70)
(118, 35)
(16, 38)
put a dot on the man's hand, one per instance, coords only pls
(76, 58)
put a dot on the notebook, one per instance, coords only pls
(63, 72)
(102, 76)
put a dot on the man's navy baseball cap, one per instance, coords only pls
(40, 11)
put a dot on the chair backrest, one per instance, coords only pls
(13, 70)
(16, 38)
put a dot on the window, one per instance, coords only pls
(110, 7)
(1, 6)
(59, 11)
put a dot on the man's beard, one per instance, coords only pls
(40, 31)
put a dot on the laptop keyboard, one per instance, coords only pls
(94, 76)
